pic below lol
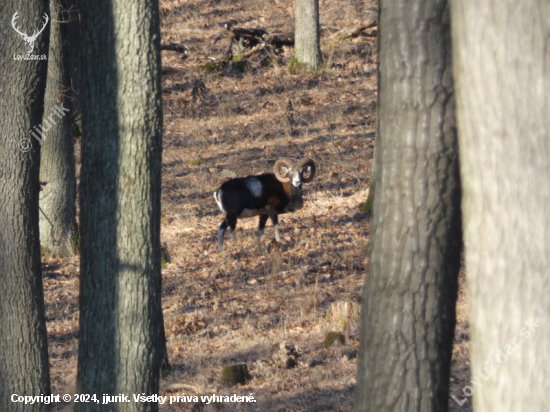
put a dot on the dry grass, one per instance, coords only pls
(240, 305)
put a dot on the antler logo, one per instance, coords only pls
(29, 39)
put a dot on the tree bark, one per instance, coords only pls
(502, 70)
(24, 368)
(408, 313)
(120, 345)
(73, 47)
(58, 230)
(307, 46)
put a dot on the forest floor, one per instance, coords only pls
(263, 304)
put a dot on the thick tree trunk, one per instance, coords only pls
(502, 71)
(120, 290)
(24, 368)
(57, 167)
(408, 314)
(307, 47)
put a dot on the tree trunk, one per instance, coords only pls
(502, 67)
(73, 48)
(307, 47)
(24, 368)
(120, 290)
(57, 167)
(408, 313)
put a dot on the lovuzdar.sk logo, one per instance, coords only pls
(29, 39)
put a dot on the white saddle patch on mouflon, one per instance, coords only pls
(255, 186)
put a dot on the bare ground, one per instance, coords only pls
(244, 304)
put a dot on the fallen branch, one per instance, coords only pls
(220, 36)
(228, 53)
(249, 41)
(240, 32)
(280, 40)
(250, 38)
(354, 31)
(180, 48)
(255, 49)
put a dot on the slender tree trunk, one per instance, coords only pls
(307, 47)
(502, 71)
(24, 366)
(408, 313)
(57, 168)
(120, 291)
(73, 47)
